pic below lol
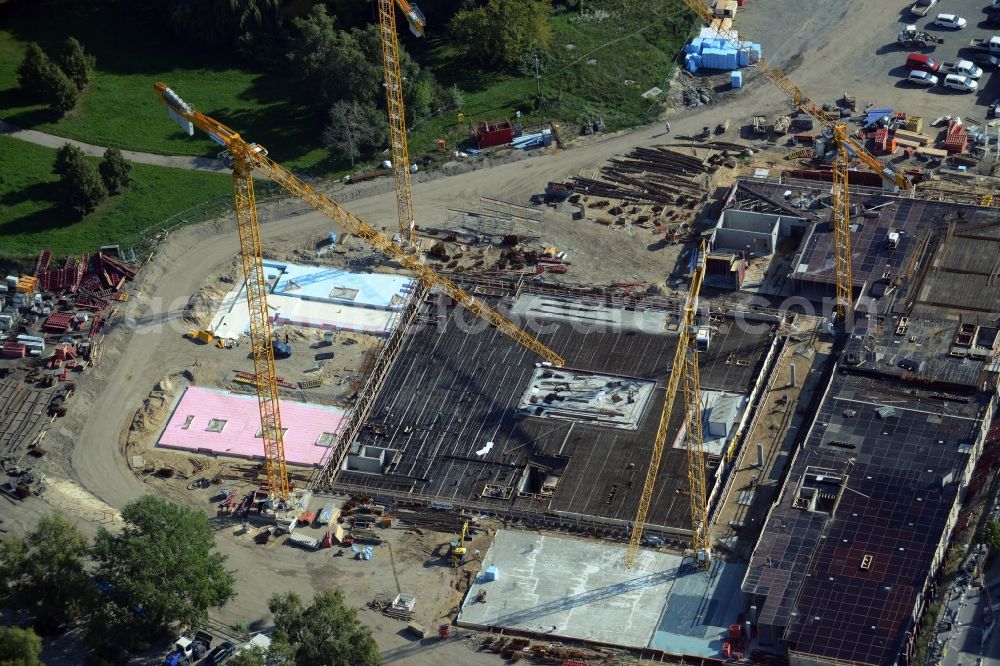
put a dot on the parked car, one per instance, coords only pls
(922, 63)
(986, 61)
(966, 68)
(993, 110)
(952, 21)
(922, 78)
(220, 654)
(960, 83)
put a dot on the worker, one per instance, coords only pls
(668, 128)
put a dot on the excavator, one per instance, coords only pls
(458, 549)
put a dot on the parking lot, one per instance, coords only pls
(838, 47)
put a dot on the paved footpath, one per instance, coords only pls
(52, 141)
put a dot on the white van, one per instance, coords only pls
(960, 83)
(967, 68)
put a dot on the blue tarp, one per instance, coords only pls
(874, 115)
(711, 51)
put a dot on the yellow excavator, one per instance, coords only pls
(204, 337)
(458, 549)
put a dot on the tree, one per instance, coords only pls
(456, 97)
(326, 633)
(12, 554)
(333, 65)
(77, 64)
(67, 155)
(33, 69)
(58, 91)
(991, 535)
(280, 653)
(19, 647)
(215, 25)
(159, 569)
(82, 188)
(502, 31)
(116, 171)
(354, 128)
(49, 579)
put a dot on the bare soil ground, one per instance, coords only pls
(829, 47)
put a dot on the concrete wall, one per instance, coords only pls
(370, 459)
(739, 230)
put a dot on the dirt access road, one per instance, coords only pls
(828, 48)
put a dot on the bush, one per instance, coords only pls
(66, 156)
(82, 188)
(116, 171)
(33, 70)
(43, 79)
(77, 64)
(59, 92)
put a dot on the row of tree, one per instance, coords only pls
(160, 570)
(82, 186)
(127, 587)
(57, 84)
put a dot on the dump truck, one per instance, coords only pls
(909, 37)
(990, 45)
(922, 7)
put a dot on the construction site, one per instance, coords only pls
(722, 393)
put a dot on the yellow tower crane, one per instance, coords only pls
(685, 366)
(395, 109)
(245, 158)
(847, 147)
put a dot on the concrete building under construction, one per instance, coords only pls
(843, 570)
(464, 417)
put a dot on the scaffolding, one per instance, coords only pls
(495, 219)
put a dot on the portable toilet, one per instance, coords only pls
(736, 79)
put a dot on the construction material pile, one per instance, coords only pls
(656, 175)
(713, 49)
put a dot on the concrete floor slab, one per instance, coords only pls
(699, 609)
(310, 428)
(572, 588)
(317, 297)
(585, 316)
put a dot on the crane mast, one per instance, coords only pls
(395, 110)
(266, 379)
(685, 367)
(842, 226)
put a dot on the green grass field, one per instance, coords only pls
(120, 108)
(592, 69)
(30, 219)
